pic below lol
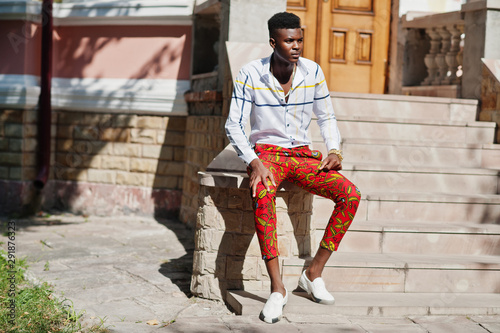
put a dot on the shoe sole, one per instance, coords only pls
(321, 301)
(272, 320)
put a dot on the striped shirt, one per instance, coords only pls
(258, 96)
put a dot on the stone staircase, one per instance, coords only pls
(426, 238)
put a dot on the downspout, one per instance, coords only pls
(44, 103)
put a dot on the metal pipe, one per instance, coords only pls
(44, 103)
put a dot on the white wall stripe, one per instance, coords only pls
(148, 96)
(121, 12)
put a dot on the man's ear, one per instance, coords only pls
(272, 42)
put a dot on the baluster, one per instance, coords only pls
(459, 57)
(441, 57)
(451, 56)
(430, 58)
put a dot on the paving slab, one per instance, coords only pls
(124, 272)
(406, 328)
(449, 324)
(374, 304)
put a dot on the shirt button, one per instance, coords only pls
(287, 125)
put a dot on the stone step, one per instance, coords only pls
(372, 304)
(411, 130)
(406, 107)
(474, 132)
(414, 207)
(417, 154)
(419, 238)
(396, 272)
(421, 179)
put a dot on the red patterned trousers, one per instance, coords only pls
(300, 166)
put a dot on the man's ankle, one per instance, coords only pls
(312, 274)
(280, 289)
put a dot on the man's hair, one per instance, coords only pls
(283, 20)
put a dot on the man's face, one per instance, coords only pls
(287, 44)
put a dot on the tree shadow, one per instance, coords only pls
(82, 137)
(179, 270)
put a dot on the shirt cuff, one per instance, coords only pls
(332, 145)
(249, 157)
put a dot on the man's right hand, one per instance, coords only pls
(259, 174)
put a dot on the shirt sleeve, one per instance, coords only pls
(239, 112)
(323, 109)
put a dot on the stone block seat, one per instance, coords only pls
(425, 239)
(227, 253)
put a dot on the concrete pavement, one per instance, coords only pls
(133, 273)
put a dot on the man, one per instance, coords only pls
(278, 94)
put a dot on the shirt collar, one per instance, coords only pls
(266, 70)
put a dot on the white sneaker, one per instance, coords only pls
(316, 289)
(273, 309)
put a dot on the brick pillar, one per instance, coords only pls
(205, 139)
(18, 144)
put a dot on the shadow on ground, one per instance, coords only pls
(179, 270)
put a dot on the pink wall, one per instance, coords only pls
(20, 45)
(131, 52)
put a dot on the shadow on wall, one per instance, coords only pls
(168, 177)
(112, 148)
(116, 51)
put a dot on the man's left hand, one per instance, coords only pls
(331, 162)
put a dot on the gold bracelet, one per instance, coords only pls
(336, 152)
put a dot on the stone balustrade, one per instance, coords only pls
(440, 40)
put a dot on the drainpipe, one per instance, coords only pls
(44, 103)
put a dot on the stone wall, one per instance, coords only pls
(18, 142)
(18, 159)
(205, 139)
(137, 159)
(227, 253)
(205, 136)
(102, 163)
(490, 100)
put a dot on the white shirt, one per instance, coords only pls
(258, 96)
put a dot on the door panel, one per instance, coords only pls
(353, 5)
(349, 39)
(307, 11)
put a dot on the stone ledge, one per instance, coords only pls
(235, 180)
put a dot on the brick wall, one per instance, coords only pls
(205, 139)
(18, 131)
(101, 163)
(490, 100)
(18, 159)
(129, 163)
(120, 149)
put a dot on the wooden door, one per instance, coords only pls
(349, 39)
